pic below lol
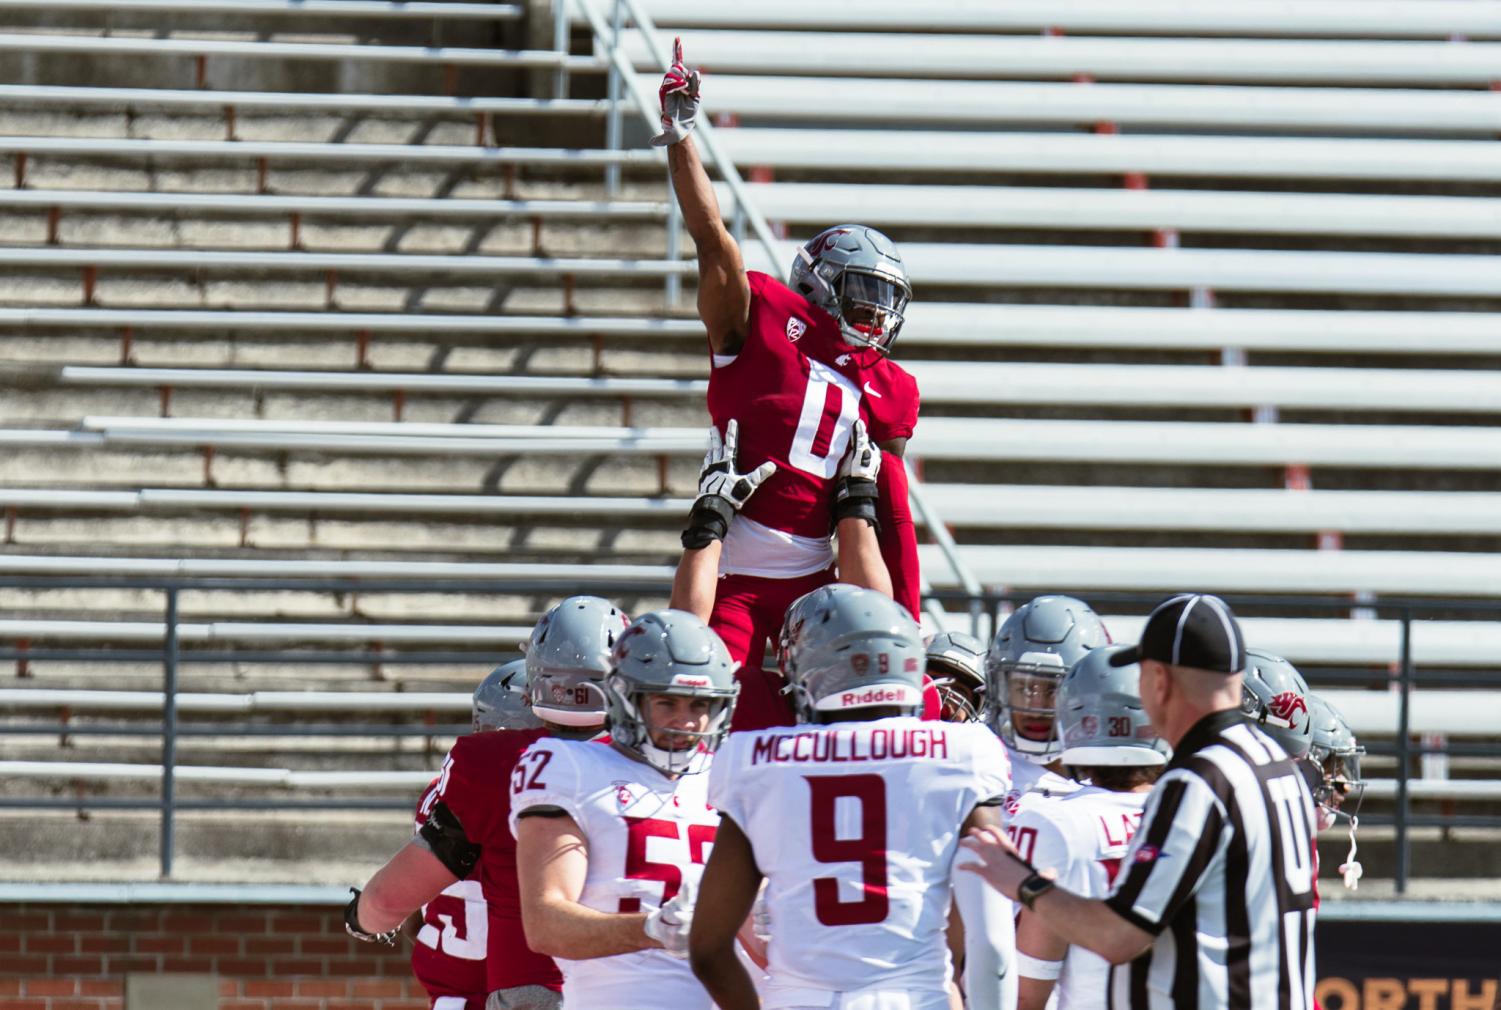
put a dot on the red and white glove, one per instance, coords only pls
(678, 97)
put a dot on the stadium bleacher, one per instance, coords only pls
(1205, 297)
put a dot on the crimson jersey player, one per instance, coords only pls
(466, 834)
(449, 954)
(803, 361)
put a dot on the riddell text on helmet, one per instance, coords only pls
(836, 746)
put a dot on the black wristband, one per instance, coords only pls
(709, 521)
(856, 498)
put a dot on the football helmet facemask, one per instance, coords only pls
(855, 274)
(1336, 754)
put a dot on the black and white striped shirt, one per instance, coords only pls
(1220, 871)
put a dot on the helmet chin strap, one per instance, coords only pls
(1039, 752)
(670, 762)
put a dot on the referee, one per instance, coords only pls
(1214, 900)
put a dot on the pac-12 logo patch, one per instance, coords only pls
(795, 329)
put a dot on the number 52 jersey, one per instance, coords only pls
(855, 825)
(646, 835)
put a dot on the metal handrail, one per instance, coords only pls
(1403, 679)
(646, 103)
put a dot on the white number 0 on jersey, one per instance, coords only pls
(815, 400)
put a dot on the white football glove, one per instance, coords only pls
(678, 97)
(722, 491)
(761, 917)
(855, 494)
(669, 925)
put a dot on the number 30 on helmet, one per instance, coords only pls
(855, 274)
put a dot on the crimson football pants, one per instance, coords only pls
(748, 609)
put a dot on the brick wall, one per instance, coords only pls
(76, 957)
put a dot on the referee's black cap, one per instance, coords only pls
(1191, 629)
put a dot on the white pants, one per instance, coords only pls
(864, 999)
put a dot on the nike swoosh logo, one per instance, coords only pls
(872, 392)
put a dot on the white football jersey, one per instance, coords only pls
(647, 834)
(1027, 776)
(855, 825)
(1083, 836)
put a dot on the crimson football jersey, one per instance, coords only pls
(475, 784)
(448, 956)
(796, 388)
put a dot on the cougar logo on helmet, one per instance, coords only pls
(829, 240)
(1286, 705)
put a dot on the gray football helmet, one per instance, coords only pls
(1100, 718)
(1274, 696)
(567, 658)
(855, 274)
(956, 664)
(1034, 648)
(846, 648)
(669, 652)
(501, 700)
(1336, 753)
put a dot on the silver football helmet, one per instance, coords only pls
(501, 700)
(1336, 753)
(1034, 648)
(845, 648)
(956, 664)
(1274, 696)
(1100, 718)
(567, 658)
(669, 652)
(855, 274)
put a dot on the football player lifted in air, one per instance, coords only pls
(448, 956)
(1034, 648)
(466, 827)
(808, 359)
(611, 837)
(1108, 746)
(853, 819)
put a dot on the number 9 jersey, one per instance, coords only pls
(646, 834)
(797, 387)
(855, 825)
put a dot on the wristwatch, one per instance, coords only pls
(1033, 888)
